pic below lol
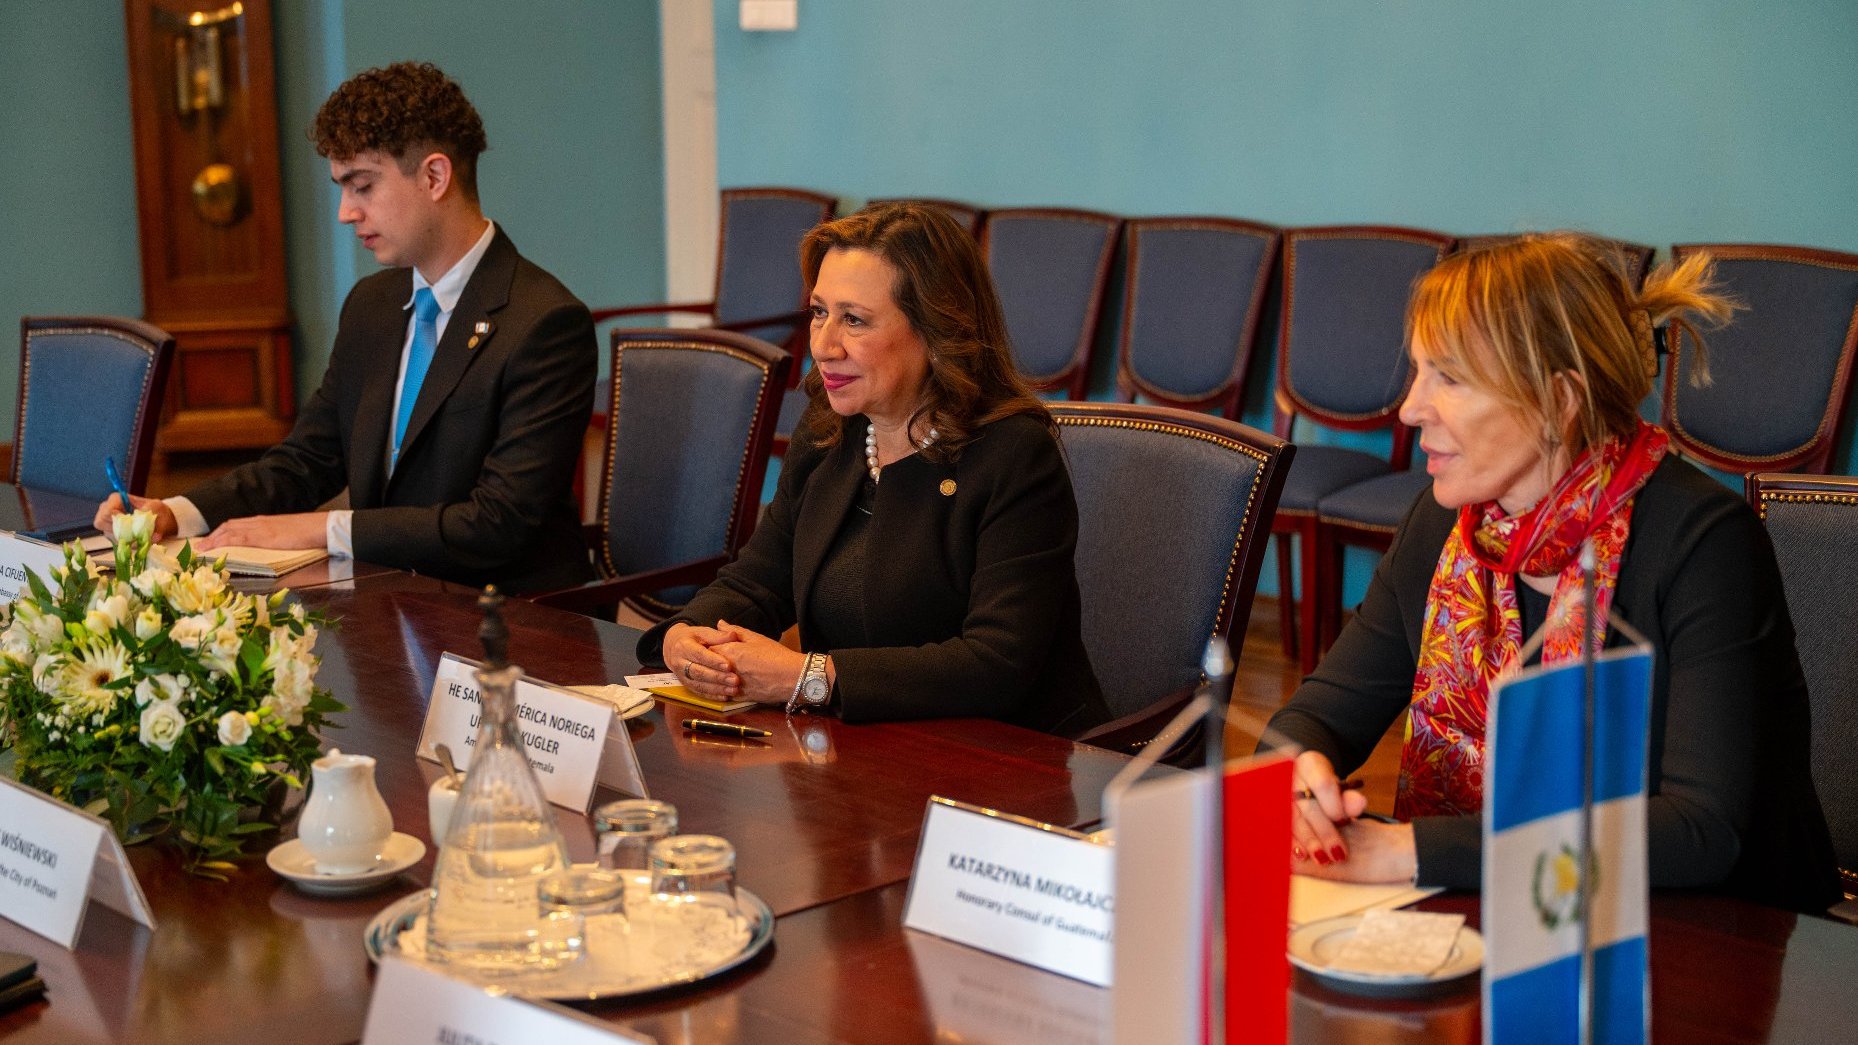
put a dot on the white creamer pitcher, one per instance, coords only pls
(345, 823)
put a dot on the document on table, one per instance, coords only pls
(240, 561)
(1314, 899)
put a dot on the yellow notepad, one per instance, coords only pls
(666, 686)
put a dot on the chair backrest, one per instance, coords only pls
(1190, 309)
(1342, 331)
(1814, 524)
(687, 446)
(1051, 266)
(966, 215)
(90, 387)
(1633, 260)
(1779, 370)
(1174, 508)
(758, 252)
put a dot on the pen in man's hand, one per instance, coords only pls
(723, 729)
(116, 483)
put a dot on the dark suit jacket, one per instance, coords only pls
(970, 595)
(1731, 804)
(482, 493)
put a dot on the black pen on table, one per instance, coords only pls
(1352, 784)
(724, 729)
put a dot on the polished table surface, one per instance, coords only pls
(825, 827)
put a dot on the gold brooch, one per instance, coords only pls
(948, 487)
(478, 333)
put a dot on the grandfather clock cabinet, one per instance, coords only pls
(203, 100)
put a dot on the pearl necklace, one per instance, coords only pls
(870, 448)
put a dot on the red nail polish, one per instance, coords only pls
(1338, 854)
(1322, 858)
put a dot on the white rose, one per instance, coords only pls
(16, 641)
(46, 627)
(147, 623)
(152, 582)
(190, 632)
(233, 729)
(139, 525)
(107, 613)
(162, 724)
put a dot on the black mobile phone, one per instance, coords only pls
(16, 968)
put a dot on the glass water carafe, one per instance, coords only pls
(502, 841)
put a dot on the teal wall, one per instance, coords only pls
(1659, 121)
(569, 92)
(67, 224)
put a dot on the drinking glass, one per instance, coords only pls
(627, 828)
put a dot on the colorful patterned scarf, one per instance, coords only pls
(1473, 629)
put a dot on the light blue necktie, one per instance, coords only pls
(425, 342)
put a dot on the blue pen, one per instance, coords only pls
(117, 484)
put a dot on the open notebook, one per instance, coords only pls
(240, 562)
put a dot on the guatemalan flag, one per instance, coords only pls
(1532, 870)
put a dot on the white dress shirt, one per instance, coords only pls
(338, 529)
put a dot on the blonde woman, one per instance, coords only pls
(1531, 359)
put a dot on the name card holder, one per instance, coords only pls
(414, 1002)
(19, 554)
(571, 740)
(54, 859)
(1014, 887)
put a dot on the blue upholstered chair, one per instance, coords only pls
(966, 215)
(1191, 305)
(687, 446)
(1341, 364)
(1813, 521)
(1051, 267)
(1781, 370)
(90, 387)
(1173, 512)
(758, 286)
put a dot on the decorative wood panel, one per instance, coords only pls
(209, 198)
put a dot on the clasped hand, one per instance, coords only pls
(1330, 840)
(732, 663)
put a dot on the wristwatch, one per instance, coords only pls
(814, 688)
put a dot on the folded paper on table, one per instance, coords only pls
(1317, 899)
(666, 685)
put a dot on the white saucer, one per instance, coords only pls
(629, 703)
(1312, 946)
(291, 860)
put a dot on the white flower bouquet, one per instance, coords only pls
(160, 698)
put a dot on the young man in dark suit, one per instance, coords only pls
(460, 384)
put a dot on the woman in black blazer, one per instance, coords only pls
(923, 530)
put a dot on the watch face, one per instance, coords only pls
(815, 691)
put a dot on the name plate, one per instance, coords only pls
(417, 1003)
(1014, 887)
(569, 738)
(19, 554)
(54, 859)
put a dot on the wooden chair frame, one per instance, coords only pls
(1302, 628)
(156, 342)
(1273, 455)
(596, 597)
(1074, 378)
(1815, 455)
(1765, 488)
(1229, 397)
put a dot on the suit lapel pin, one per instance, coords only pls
(478, 334)
(948, 487)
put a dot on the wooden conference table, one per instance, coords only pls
(825, 820)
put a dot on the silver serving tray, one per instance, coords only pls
(591, 978)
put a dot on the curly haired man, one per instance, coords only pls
(460, 383)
